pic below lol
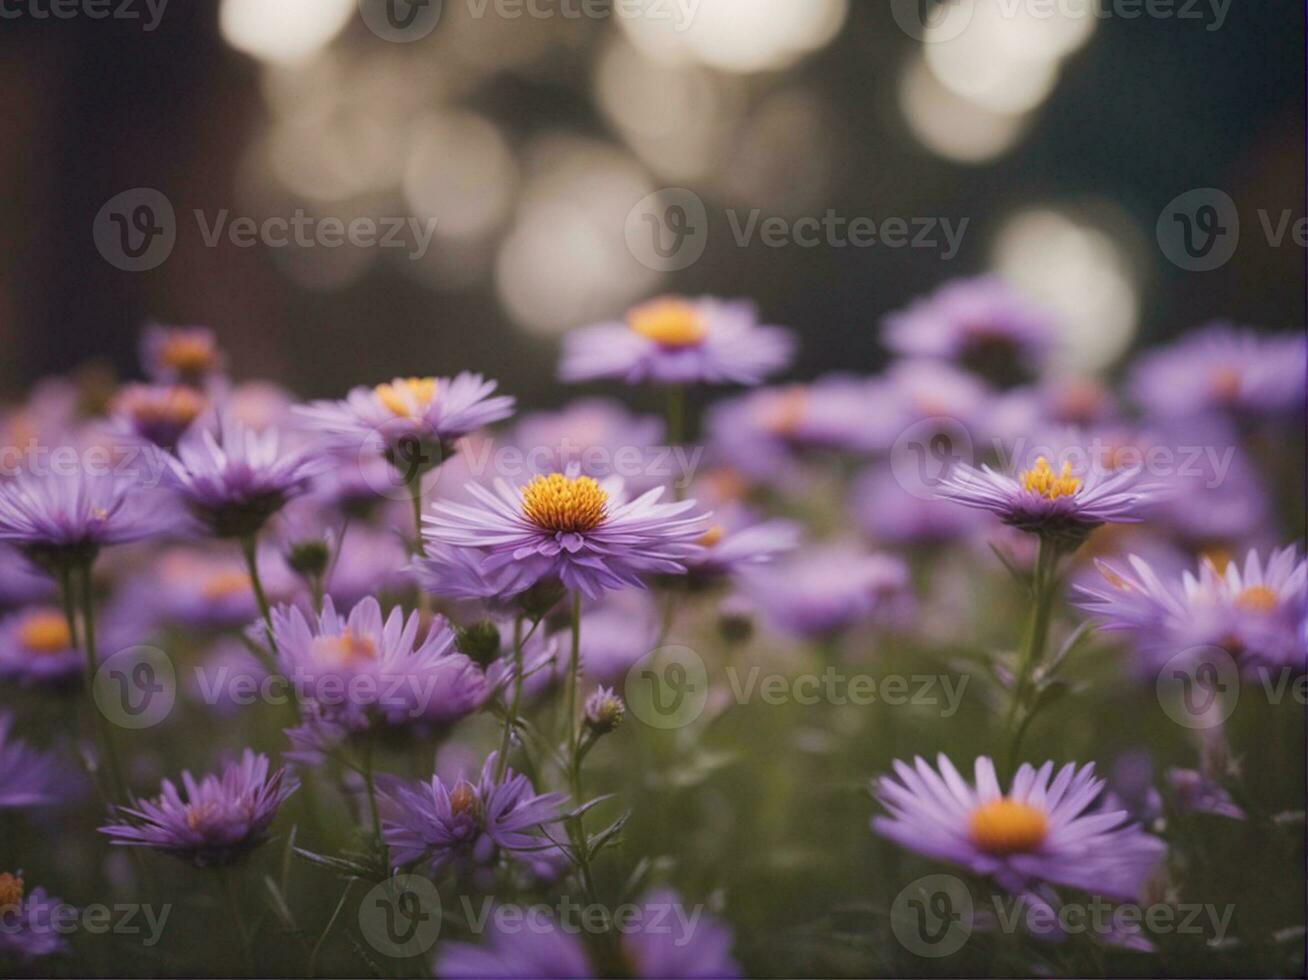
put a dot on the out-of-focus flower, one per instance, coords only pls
(1255, 613)
(196, 587)
(1044, 829)
(229, 678)
(822, 591)
(213, 821)
(1225, 369)
(982, 324)
(20, 583)
(891, 515)
(413, 422)
(28, 930)
(364, 672)
(737, 539)
(234, 481)
(159, 414)
(1061, 506)
(570, 528)
(369, 561)
(60, 521)
(662, 939)
(186, 355)
(601, 438)
(36, 647)
(1058, 402)
(466, 824)
(674, 340)
(1197, 793)
(30, 777)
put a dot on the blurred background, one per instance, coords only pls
(1061, 130)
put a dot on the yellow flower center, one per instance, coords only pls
(1218, 558)
(188, 353)
(225, 584)
(713, 535)
(407, 397)
(45, 631)
(669, 322)
(1006, 826)
(199, 814)
(1042, 480)
(1226, 382)
(560, 503)
(347, 648)
(179, 405)
(11, 890)
(463, 799)
(1257, 598)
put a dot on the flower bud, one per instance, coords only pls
(604, 711)
(479, 642)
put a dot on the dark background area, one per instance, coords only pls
(1146, 110)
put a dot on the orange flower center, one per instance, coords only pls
(1225, 382)
(45, 631)
(407, 397)
(560, 503)
(11, 890)
(225, 584)
(669, 322)
(179, 405)
(1257, 598)
(1006, 826)
(713, 535)
(787, 413)
(463, 799)
(1042, 480)
(348, 648)
(188, 353)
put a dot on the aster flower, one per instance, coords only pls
(1220, 368)
(570, 528)
(36, 647)
(198, 588)
(28, 930)
(413, 422)
(1255, 612)
(890, 515)
(662, 939)
(159, 414)
(234, 481)
(364, 672)
(1062, 506)
(822, 591)
(60, 521)
(30, 777)
(214, 821)
(465, 824)
(1044, 830)
(739, 539)
(674, 340)
(600, 437)
(982, 324)
(187, 355)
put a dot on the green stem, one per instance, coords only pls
(1033, 651)
(511, 719)
(250, 549)
(234, 909)
(676, 422)
(574, 669)
(118, 788)
(415, 497)
(371, 784)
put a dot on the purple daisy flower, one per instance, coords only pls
(890, 515)
(187, 355)
(59, 521)
(159, 414)
(1254, 613)
(363, 672)
(234, 481)
(660, 939)
(739, 539)
(1043, 830)
(408, 420)
(674, 340)
(570, 528)
(198, 588)
(464, 823)
(214, 821)
(27, 929)
(982, 324)
(1063, 506)
(30, 777)
(822, 591)
(1223, 369)
(36, 647)
(599, 436)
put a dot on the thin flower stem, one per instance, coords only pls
(676, 422)
(250, 549)
(118, 788)
(511, 719)
(234, 907)
(577, 828)
(415, 498)
(1042, 598)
